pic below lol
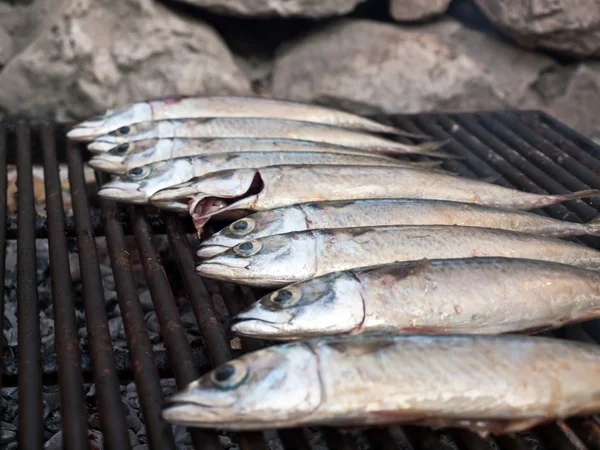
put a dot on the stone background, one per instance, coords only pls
(73, 58)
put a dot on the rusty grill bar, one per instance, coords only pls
(526, 150)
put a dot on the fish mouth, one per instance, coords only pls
(219, 270)
(209, 251)
(175, 193)
(102, 146)
(132, 196)
(258, 328)
(172, 206)
(85, 131)
(108, 163)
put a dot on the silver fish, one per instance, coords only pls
(489, 384)
(281, 259)
(381, 212)
(141, 182)
(130, 155)
(446, 296)
(274, 187)
(223, 106)
(256, 128)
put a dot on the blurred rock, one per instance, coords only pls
(567, 26)
(284, 8)
(415, 10)
(369, 67)
(572, 95)
(91, 56)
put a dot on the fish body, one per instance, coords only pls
(255, 128)
(138, 184)
(281, 259)
(384, 212)
(223, 106)
(487, 384)
(278, 186)
(130, 155)
(446, 296)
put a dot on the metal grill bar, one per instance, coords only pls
(208, 323)
(172, 330)
(143, 362)
(110, 408)
(3, 184)
(70, 378)
(31, 428)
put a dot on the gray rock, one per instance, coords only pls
(283, 8)
(572, 95)
(92, 56)
(416, 10)
(368, 67)
(6, 47)
(568, 26)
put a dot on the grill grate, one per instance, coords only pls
(526, 150)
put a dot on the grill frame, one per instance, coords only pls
(499, 146)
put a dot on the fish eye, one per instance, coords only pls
(124, 130)
(122, 149)
(242, 227)
(285, 297)
(138, 173)
(229, 375)
(248, 248)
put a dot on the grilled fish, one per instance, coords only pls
(487, 384)
(130, 155)
(256, 128)
(141, 182)
(445, 296)
(273, 187)
(381, 212)
(281, 259)
(223, 106)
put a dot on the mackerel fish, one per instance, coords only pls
(138, 184)
(223, 106)
(383, 212)
(489, 384)
(257, 128)
(130, 155)
(445, 296)
(277, 186)
(281, 259)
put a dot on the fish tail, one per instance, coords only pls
(425, 149)
(427, 164)
(593, 227)
(404, 133)
(547, 200)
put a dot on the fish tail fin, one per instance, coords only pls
(408, 134)
(577, 195)
(425, 149)
(593, 227)
(547, 200)
(427, 164)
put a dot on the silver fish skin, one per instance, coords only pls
(383, 212)
(137, 185)
(446, 296)
(223, 106)
(281, 259)
(278, 186)
(130, 155)
(256, 128)
(489, 384)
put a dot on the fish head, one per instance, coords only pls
(257, 225)
(139, 183)
(328, 305)
(129, 155)
(110, 121)
(277, 385)
(127, 133)
(269, 261)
